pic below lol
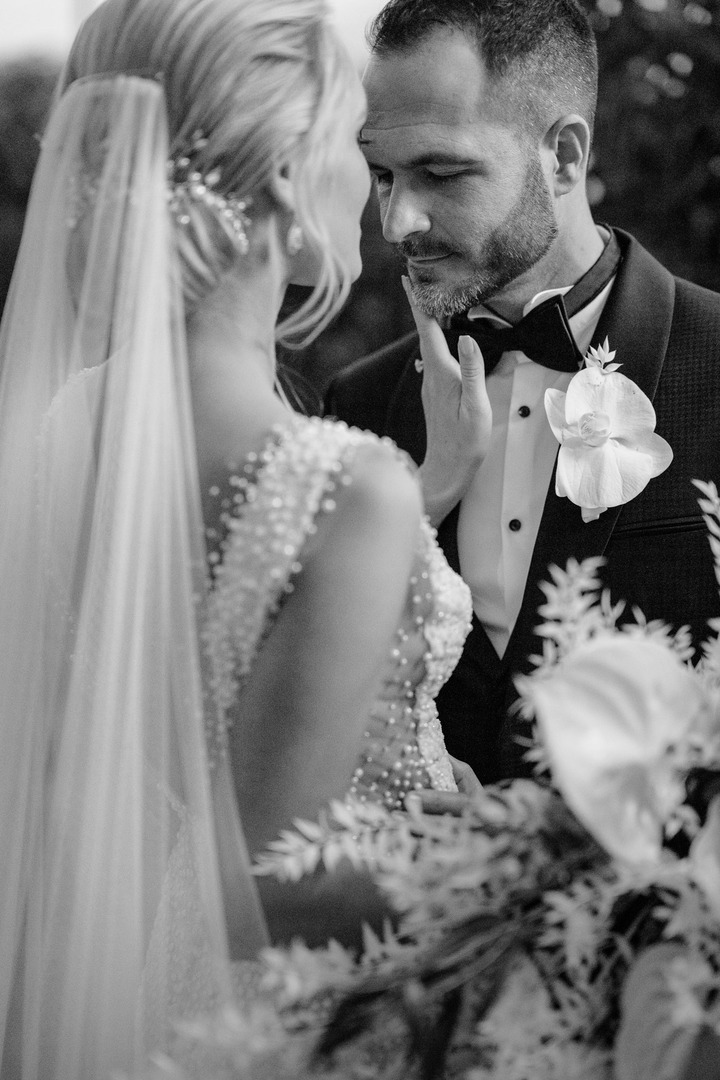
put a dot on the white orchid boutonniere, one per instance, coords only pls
(605, 424)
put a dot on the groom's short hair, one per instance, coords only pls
(543, 51)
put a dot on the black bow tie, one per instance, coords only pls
(544, 334)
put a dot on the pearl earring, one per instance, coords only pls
(295, 239)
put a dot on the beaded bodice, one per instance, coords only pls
(404, 749)
(271, 508)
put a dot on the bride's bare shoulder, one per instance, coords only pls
(385, 477)
(379, 499)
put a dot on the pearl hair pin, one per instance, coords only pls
(187, 185)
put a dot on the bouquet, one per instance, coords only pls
(561, 928)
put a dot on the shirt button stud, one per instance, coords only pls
(524, 411)
(515, 524)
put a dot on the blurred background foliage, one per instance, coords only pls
(656, 164)
(655, 168)
(26, 88)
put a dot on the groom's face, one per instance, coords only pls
(461, 188)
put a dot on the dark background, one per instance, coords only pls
(655, 168)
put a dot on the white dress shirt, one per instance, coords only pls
(500, 513)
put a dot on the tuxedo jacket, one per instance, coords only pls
(666, 332)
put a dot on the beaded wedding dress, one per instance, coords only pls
(269, 512)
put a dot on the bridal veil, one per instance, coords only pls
(103, 768)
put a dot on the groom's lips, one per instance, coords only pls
(425, 260)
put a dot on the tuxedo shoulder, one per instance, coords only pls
(384, 365)
(694, 342)
(698, 306)
(362, 392)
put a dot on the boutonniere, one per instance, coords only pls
(605, 425)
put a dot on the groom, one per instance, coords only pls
(478, 135)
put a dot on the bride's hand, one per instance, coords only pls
(449, 802)
(458, 415)
(466, 780)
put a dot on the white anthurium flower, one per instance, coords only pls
(607, 716)
(605, 424)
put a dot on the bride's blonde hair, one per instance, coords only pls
(262, 81)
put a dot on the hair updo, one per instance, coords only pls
(263, 81)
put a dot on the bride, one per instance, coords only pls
(215, 614)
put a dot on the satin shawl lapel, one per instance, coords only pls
(636, 319)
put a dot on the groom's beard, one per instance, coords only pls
(511, 249)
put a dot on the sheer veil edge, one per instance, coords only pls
(103, 773)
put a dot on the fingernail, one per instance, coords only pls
(466, 345)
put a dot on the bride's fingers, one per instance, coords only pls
(437, 802)
(465, 777)
(433, 347)
(472, 372)
(472, 364)
(436, 355)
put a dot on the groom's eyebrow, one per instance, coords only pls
(422, 160)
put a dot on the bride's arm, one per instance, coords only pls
(303, 710)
